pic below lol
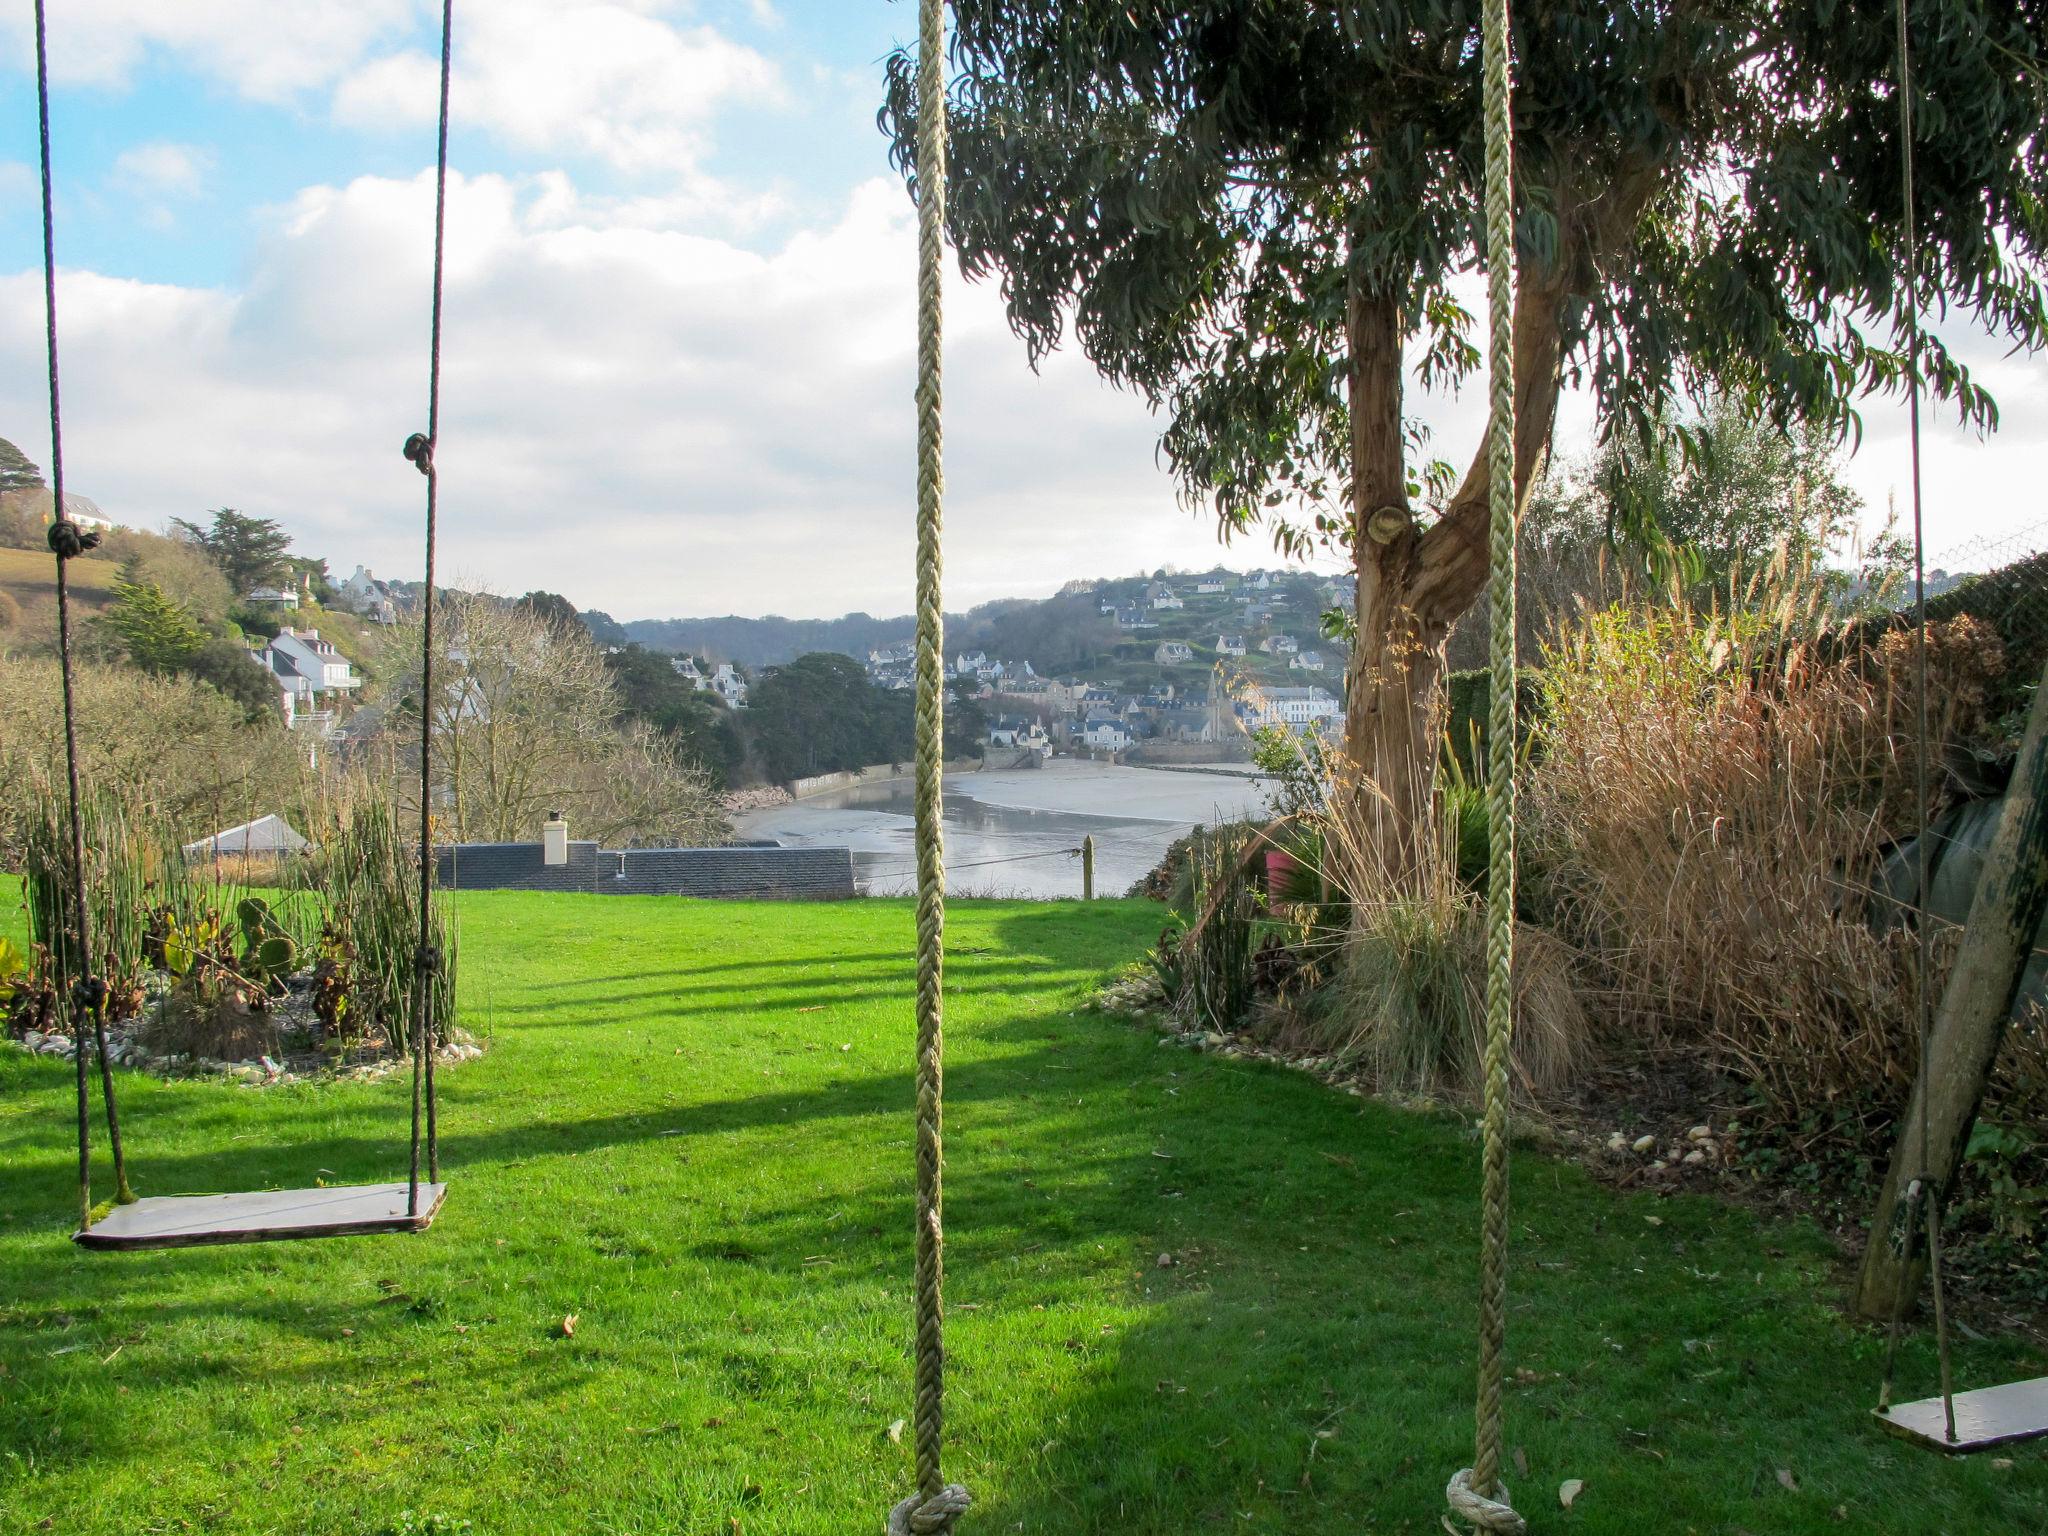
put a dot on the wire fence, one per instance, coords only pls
(2001, 579)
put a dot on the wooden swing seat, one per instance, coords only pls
(265, 1216)
(1985, 1418)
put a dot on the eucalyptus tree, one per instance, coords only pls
(1261, 215)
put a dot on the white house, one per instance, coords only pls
(1279, 645)
(1164, 597)
(685, 667)
(1306, 661)
(1230, 645)
(1102, 731)
(1296, 707)
(305, 666)
(279, 597)
(1209, 586)
(364, 594)
(727, 683)
(1173, 653)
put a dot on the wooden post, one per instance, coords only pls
(2012, 894)
(1088, 867)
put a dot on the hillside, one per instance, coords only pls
(28, 577)
(1066, 636)
(768, 641)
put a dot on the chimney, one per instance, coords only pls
(554, 840)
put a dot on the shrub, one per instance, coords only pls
(369, 870)
(1711, 797)
(1409, 1001)
(124, 867)
(1406, 995)
(1204, 958)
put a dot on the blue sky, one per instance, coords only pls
(810, 144)
(680, 324)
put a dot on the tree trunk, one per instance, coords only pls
(2005, 914)
(1415, 583)
(1394, 661)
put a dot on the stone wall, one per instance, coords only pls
(810, 874)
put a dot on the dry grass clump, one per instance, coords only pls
(1406, 963)
(1712, 795)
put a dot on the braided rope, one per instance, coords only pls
(937, 1504)
(1476, 1510)
(1477, 1494)
(87, 991)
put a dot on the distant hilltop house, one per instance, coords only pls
(309, 672)
(1164, 597)
(1131, 617)
(724, 680)
(82, 510)
(727, 683)
(1210, 586)
(1173, 653)
(276, 597)
(1230, 645)
(1306, 661)
(364, 594)
(1279, 645)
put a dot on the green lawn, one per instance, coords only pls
(693, 1132)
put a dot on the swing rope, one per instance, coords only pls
(87, 992)
(1477, 1494)
(419, 448)
(937, 1504)
(1923, 1198)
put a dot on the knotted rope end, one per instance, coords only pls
(419, 448)
(1483, 1513)
(934, 1516)
(69, 540)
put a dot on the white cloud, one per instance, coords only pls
(662, 422)
(613, 81)
(163, 169)
(654, 422)
(267, 50)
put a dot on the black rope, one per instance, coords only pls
(87, 993)
(1923, 1190)
(419, 448)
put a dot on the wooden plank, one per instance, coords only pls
(1986, 1417)
(264, 1216)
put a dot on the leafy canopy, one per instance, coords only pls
(1708, 196)
(17, 473)
(250, 551)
